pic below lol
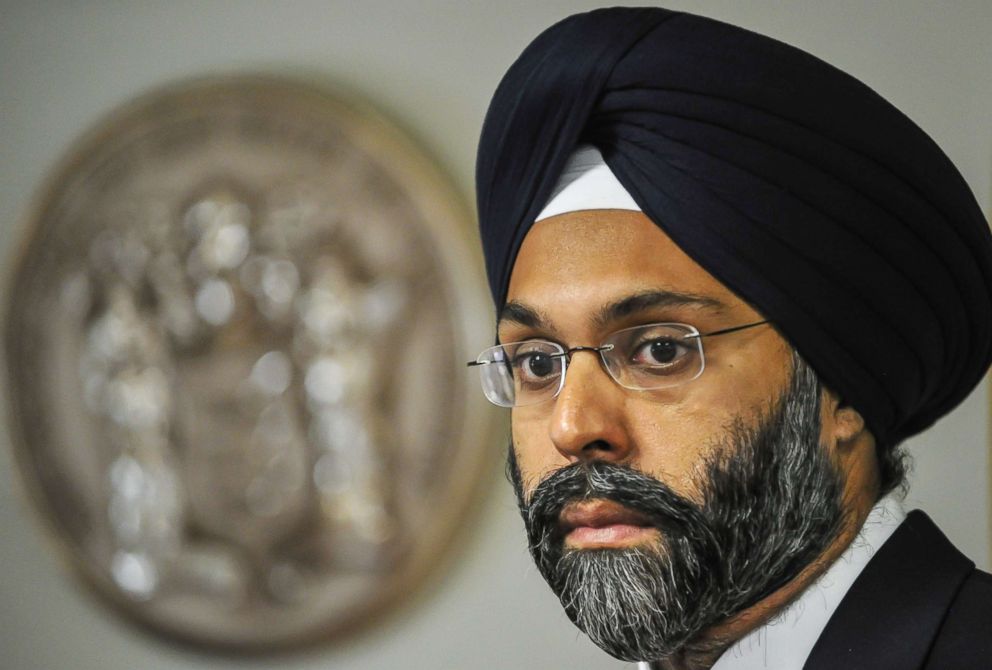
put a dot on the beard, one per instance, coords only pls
(771, 503)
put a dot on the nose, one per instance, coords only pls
(587, 422)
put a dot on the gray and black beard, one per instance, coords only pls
(771, 503)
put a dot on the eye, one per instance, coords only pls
(534, 365)
(657, 352)
(660, 352)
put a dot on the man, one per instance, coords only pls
(731, 279)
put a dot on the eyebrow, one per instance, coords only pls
(524, 315)
(643, 301)
(519, 313)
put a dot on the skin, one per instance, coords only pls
(568, 272)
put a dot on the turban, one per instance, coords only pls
(791, 182)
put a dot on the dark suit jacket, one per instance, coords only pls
(918, 604)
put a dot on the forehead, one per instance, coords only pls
(582, 260)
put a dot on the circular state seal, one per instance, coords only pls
(234, 340)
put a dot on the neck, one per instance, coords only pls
(704, 651)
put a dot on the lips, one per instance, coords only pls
(603, 523)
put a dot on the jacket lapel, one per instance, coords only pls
(891, 614)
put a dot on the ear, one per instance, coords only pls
(845, 435)
(841, 423)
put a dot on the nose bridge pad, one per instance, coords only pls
(572, 412)
(604, 362)
(567, 360)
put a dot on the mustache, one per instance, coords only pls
(662, 507)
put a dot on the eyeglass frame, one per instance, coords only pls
(566, 356)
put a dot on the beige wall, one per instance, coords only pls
(433, 65)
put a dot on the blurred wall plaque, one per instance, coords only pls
(234, 346)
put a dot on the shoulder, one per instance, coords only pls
(964, 640)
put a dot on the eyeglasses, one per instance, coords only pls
(642, 358)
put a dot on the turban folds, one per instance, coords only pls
(791, 182)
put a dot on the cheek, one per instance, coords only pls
(673, 441)
(536, 455)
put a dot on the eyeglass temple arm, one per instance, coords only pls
(733, 329)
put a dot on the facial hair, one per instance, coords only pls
(771, 503)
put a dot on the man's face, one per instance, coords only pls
(570, 271)
(655, 515)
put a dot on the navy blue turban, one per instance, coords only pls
(791, 182)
